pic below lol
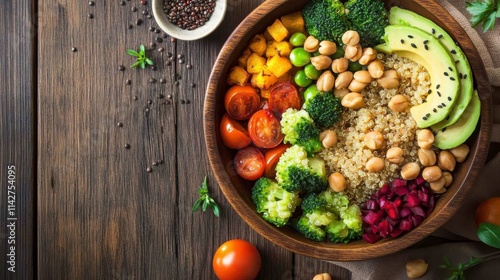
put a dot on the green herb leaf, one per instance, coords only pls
(142, 48)
(137, 63)
(132, 53)
(149, 61)
(489, 234)
(205, 201)
(141, 59)
(484, 12)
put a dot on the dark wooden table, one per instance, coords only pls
(108, 162)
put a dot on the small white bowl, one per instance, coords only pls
(189, 35)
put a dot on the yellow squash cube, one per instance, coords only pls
(264, 79)
(278, 31)
(278, 65)
(238, 76)
(258, 44)
(271, 49)
(255, 63)
(284, 48)
(294, 23)
(242, 60)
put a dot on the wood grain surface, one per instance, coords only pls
(83, 141)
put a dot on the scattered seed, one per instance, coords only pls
(161, 49)
(424, 118)
(413, 45)
(152, 80)
(193, 85)
(428, 115)
(91, 3)
(122, 3)
(189, 66)
(426, 47)
(130, 26)
(426, 41)
(157, 31)
(451, 69)
(152, 45)
(410, 36)
(434, 110)
(181, 61)
(138, 21)
(160, 96)
(444, 129)
(144, 2)
(154, 163)
(119, 124)
(451, 78)
(154, 68)
(449, 98)
(133, 9)
(73, 49)
(163, 81)
(460, 75)
(128, 82)
(135, 97)
(152, 29)
(176, 83)
(183, 101)
(159, 40)
(402, 41)
(169, 96)
(149, 170)
(440, 36)
(438, 86)
(465, 76)
(447, 117)
(433, 31)
(429, 91)
(121, 68)
(127, 146)
(440, 106)
(145, 12)
(446, 73)
(90, 15)
(149, 16)
(150, 102)
(453, 51)
(444, 105)
(439, 94)
(173, 40)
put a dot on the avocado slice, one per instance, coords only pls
(405, 17)
(457, 133)
(423, 48)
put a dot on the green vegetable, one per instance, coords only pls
(205, 201)
(297, 39)
(311, 72)
(326, 19)
(484, 12)
(141, 59)
(299, 129)
(274, 203)
(299, 57)
(369, 18)
(489, 234)
(301, 79)
(329, 214)
(324, 108)
(330, 19)
(295, 172)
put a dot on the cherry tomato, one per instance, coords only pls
(241, 102)
(265, 129)
(233, 134)
(282, 96)
(249, 163)
(488, 211)
(236, 259)
(272, 156)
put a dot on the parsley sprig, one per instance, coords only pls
(485, 12)
(141, 58)
(205, 201)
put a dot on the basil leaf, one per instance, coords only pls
(149, 61)
(132, 53)
(489, 234)
(141, 47)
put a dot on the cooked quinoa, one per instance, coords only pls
(350, 155)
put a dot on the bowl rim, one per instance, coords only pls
(352, 251)
(189, 35)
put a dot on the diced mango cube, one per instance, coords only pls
(284, 48)
(242, 60)
(278, 65)
(271, 49)
(238, 76)
(258, 44)
(255, 63)
(294, 23)
(278, 31)
(264, 79)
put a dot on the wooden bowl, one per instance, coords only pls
(238, 191)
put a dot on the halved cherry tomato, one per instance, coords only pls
(488, 211)
(282, 96)
(264, 129)
(236, 259)
(272, 156)
(241, 102)
(233, 134)
(249, 163)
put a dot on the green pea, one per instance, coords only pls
(311, 72)
(297, 39)
(301, 79)
(310, 92)
(299, 57)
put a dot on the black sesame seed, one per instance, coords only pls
(451, 69)
(122, 3)
(426, 47)
(402, 41)
(449, 98)
(440, 36)
(453, 51)
(130, 26)
(410, 36)
(428, 115)
(460, 75)
(157, 31)
(446, 73)
(425, 101)
(434, 110)
(444, 129)
(433, 31)
(451, 78)
(440, 106)
(439, 94)
(465, 76)
(424, 118)
(444, 105)
(159, 40)
(426, 41)
(193, 85)
(413, 45)
(429, 91)
(438, 86)
(447, 117)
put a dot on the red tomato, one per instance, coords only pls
(265, 129)
(282, 96)
(233, 134)
(488, 211)
(236, 259)
(272, 156)
(249, 163)
(241, 102)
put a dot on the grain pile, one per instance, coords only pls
(350, 155)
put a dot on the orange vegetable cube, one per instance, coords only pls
(271, 49)
(278, 31)
(264, 79)
(278, 65)
(255, 63)
(242, 60)
(238, 76)
(294, 23)
(258, 44)
(284, 48)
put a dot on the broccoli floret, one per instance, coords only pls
(315, 218)
(369, 18)
(326, 19)
(324, 108)
(309, 230)
(299, 129)
(296, 172)
(274, 203)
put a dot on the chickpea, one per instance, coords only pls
(389, 79)
(395, 155)
(425, 138)
(427, 157)
(448, 178)
(368, 55)
(336, 181)
(322, 276)
(363, 76)
(410, 171)
(343, 79)
(416, 268)
(311, 44)
(321, 62)
(460, 152)
(375, 164)
(353, 100)
(376, 69)
(340, 92)
(340, 65)
(350, 37)
(399, 103)
(327, 47)
(357, 86)
(446, 161)
(353, 52)
(432, 173)
(438, 185)
(326, 81)
(328, 138)
(374, 140)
